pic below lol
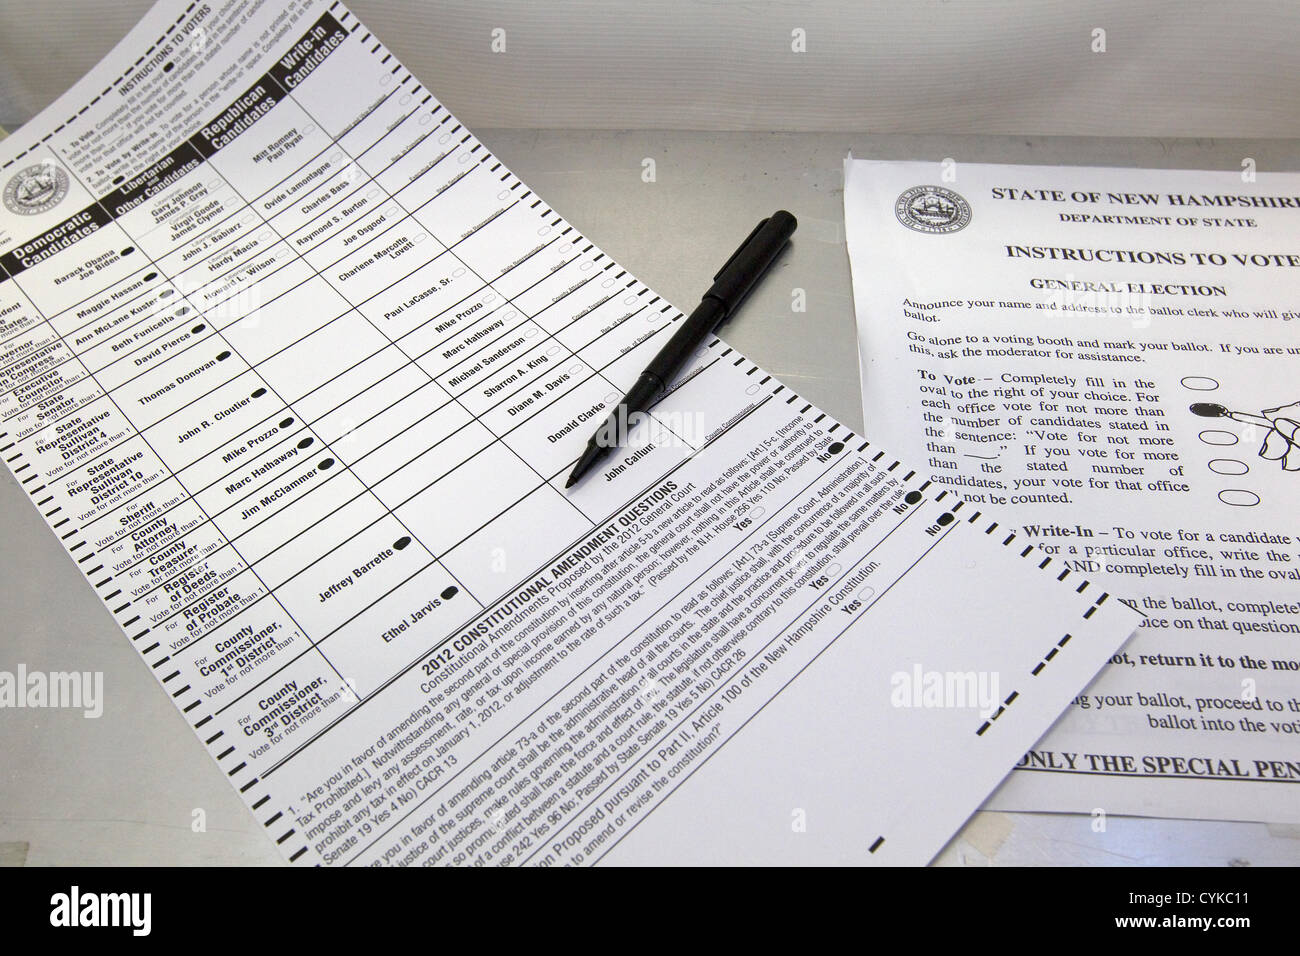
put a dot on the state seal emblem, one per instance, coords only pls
(933, 209)
(36, 189)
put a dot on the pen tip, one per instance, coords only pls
(573, 480)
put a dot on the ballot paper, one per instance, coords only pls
(1108, 357)
(296, 369)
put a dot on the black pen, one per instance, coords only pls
(733, 282)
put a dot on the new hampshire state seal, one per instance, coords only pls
(933, 209)
(36, 189)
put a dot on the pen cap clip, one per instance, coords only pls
(751, 261)
(741, 248)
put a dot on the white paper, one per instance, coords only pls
(296, 369)
(1037, 337)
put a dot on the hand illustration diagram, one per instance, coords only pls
(1282, 438)
(1280, 444)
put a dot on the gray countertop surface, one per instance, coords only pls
(133, 787)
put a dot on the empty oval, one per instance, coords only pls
(752, 390)
(1228, 466)
(1217, 436)
(1199, 383)
(1239, 497)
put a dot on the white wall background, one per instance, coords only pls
(1171, 67)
